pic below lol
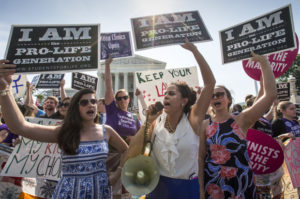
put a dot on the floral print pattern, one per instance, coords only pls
(227, 173)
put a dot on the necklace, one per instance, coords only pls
(169, 127)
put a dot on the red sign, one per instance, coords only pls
(266, 155)
(280, 63)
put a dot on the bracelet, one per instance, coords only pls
(4, 92)
(119, 167)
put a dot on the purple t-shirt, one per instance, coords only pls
(292, 126)
(122, 122)
(9, 138)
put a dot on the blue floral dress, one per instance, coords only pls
(227, 173)
(84, 175)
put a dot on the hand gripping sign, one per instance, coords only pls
(266, 155)
(280, 63)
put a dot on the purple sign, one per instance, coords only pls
(116, 44)
(266, 155)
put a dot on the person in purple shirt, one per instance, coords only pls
(285, 124)
(120, 119)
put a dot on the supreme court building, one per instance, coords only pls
(122, 71)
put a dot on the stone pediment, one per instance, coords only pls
(135, 63)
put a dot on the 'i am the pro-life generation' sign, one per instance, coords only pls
(269, 33)
(48, 81)
(168, 29)
(44, 48)
(80, 81)
(116, 44)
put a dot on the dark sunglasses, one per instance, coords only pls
(124, 98)
(85, 102)
(66, 105)
(218, 95)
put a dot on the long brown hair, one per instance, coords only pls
(69, 134)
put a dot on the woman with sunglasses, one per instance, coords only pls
(83, 143)
(174, 135)
(224, 171)
(122, 121)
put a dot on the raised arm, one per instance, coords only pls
(13, 116)
(109, 93)
(252, 114)
(63, 94)
(199, 109)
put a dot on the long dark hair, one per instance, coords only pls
(69, 134)
(186, 92)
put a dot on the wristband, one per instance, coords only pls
(4, 92)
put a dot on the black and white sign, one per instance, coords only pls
(116, 44)
(266, 34)
(283, 91)
(35, 80)
(44, 48)
(80, 81)
(168, 29)
(298, 109)
(49, 81)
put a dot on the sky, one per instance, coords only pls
(115, 15)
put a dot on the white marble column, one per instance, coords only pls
(116, 82)
(135, 102)
(125, 81)
(99, 85)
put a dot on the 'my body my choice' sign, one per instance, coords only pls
(35, 159)
(40, 48)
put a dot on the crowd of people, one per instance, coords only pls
(198, 141)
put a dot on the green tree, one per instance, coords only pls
(293, 70)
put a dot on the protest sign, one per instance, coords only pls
(44, 48)
(283, 91)
(116, 44)
(49, 81)
(266, 155)
(35, 80)
(168, 29)
(280, 63)
(153, 84)
(292, 160)
(35, 159)
(19, 85)
(272, 32)
(80, 81)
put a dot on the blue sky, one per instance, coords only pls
(114, 16)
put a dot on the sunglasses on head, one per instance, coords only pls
(123, 97)
(218, 95)
(85, 102)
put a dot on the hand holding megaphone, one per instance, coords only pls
(153, 111)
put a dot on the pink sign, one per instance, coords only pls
(266, 155)
(280, 62)
(292, 161)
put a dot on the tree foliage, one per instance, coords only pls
(294, 70)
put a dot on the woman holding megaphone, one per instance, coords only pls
(173, 133)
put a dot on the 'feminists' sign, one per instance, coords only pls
(266, 155)
(39, 48)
